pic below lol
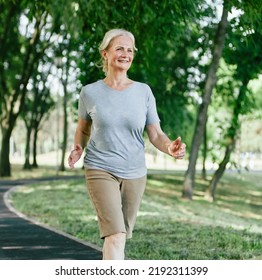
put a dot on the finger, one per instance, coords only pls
(175, 145)
(182, 149)
(78, 147)
(70, 163)
(178, 141)
(179, 155)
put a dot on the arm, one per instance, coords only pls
(158, 138)
(82, 136)
(82, 133)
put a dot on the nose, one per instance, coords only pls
(124, 53)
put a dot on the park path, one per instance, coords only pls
(22, 239)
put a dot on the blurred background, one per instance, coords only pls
(202, 59)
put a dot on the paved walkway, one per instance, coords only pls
(21, 239)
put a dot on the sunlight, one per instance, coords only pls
(255, 193)
(12, 248)
(155, 183)
(242, 214)
(63, 187)
(152, 204)
(143, 213)
(47, 187)
(165, 191)
(25, 190)
(89, 218)
(26, 247)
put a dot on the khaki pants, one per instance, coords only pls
(115, 200)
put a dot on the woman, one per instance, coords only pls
(112, 116)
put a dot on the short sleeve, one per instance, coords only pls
(152, 115)
(82, 108)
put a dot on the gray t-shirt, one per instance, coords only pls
(118, 121)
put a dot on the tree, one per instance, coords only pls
(206, 99)
(38, 103)
(27, 116)
(66, 57)
(27, 29)
(245, 52)
(66, 70)
(21, 48)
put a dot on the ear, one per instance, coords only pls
(104, 54)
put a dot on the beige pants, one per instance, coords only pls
(115, 200)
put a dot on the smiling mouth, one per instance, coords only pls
(123, 61)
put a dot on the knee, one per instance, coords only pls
(116, 240)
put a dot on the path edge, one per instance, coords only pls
(8, 204)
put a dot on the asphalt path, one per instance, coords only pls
(23, 239)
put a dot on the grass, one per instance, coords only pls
(167, 227)
(44, 171)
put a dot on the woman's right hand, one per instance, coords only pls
(75, 155)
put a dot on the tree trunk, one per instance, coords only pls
(210, 193)
(206, 99)
(35, 165)
(5, 166)
(204, 175)
(27, 149)
(64, 144)
(65, 130)
(231, 135)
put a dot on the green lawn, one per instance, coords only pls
(167, 227)
(43, 171)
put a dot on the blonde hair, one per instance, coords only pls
(109, 36)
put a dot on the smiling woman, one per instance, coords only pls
(117, 49)
(113, 114)
(118, 58)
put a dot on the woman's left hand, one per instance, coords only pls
(177, 149)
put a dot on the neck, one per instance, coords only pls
(118, 78)
(118, 82)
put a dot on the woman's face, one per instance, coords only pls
(120, 53)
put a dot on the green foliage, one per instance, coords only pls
(174, 40)
(240, 65)
(253, 12)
